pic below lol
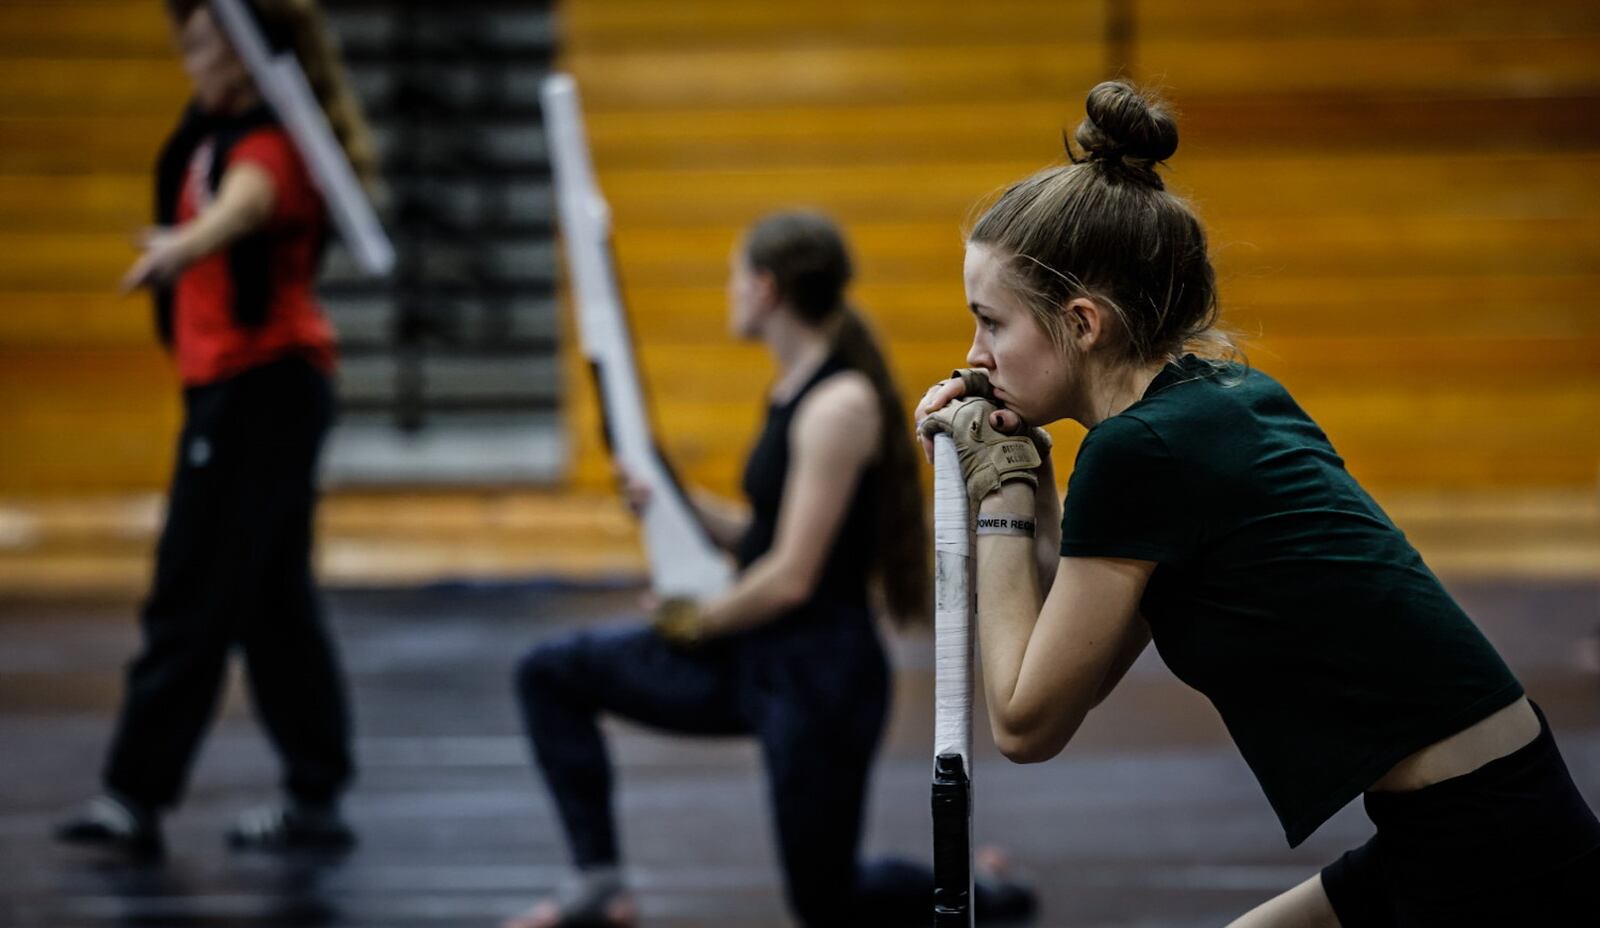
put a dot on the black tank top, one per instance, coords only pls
(850, 559)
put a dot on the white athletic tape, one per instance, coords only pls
(953, 606)
(281, 81)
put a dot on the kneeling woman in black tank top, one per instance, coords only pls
(1208, 512)
(790, 655)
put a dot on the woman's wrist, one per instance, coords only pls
(187, 245)
(1013, 496)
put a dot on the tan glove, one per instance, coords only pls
(976, 382)
(989, 458)
(680, 622)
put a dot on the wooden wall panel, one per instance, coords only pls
(84, 28)
(1402, 196)
(1419, 267)
(88, 89)
(704, 116)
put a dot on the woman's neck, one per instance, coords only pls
(240, 102)
(1115, 388)
(799, 349)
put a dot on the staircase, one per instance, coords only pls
(451, 374)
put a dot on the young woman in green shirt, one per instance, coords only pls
(1207, 512)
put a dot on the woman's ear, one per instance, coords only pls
(764, 287)
(1085, 322)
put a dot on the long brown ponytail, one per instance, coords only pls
(904, 564)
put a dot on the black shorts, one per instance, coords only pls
(1511, 843)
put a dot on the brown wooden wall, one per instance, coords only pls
(88, 90)
(1403, 197)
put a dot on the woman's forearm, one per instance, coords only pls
(243, 203)
(725, 522)
(765, 591)
(1009, 598)
(1047, 525)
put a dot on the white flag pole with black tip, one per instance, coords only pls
(283, 84)
(952, 691)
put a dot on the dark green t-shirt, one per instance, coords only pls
(1282, 592)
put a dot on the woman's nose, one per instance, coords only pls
(978, 356)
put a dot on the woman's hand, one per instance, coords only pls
(244, 202)
(932, 401)
(682, 622)
(634, 490)
(166, 254)
(962, 382)
(989, 457)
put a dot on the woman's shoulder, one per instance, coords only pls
(270, 148)
(268, 140)
(845, 393)
(1119, 442)
(1190, 391)
(1192, 401)
(1223, 419)
(837, 420)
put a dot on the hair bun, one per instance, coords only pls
(1125, 125)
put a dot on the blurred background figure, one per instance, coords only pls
(1402, 200)
(233, 265)
(790, 655)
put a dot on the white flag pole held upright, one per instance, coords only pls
(954, 592)
(683, 560)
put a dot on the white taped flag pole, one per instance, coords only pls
(283, 84)
(954, 591)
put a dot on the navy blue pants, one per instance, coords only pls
(233, 569)
(814, 697)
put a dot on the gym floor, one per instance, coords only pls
(1148, 819)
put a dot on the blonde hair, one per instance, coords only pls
(305, 26)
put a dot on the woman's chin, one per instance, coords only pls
(1006, 401)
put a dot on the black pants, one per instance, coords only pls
(815, 699)
(234, 568)
(1511, 843)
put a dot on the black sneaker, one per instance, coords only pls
(115, 824)
(283, 827)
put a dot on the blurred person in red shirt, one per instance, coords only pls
(232, 263)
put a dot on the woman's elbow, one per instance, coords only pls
(1022, 749)
(794, 589)
(1031, 744)
(257, 215)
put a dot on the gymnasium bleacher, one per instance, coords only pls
(1403, 200)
